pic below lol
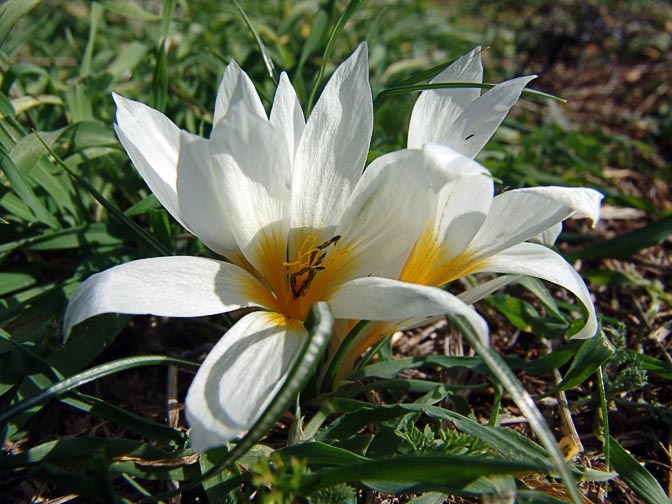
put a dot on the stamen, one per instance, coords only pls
(300, 280)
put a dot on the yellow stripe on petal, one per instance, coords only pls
(429, 262)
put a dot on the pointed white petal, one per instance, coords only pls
(200, 195)
(240, 376)
(541, 262)
(436, 110)
(253, 158)
(236, 88)
(176, 286)
(385, 213)
(334, 145)
(522, 214)
(287, 115)
(152, 142)
(476, 125)
(374, 298)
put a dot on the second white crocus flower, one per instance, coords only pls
(285, 201)
(468, 229)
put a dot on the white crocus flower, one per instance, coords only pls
(468, 230)
(285, 201)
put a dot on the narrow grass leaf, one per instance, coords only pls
(113, 210)
(92, 374)
(524, 401)
(23, 189)
(591, 355)
(10, 12)
(347, 13)
(414, 88)
(268, 62)
(316, 453)
(628, 244)
(97, 12)
(438, 471)
(64, 451)
(635, 475)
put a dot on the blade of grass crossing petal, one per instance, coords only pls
(319, 325)
(524, 401)
(331, 42)
(635, 475)
(268, 62)
(92, 374)
(397, 90)
(10, 12)
(114, 211)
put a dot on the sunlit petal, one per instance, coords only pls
(167, 286)
(200, 195)
(333, 148)
(253, 160)
(436, 110)
(236, 88)
(522, 214)
(539, 261)
(390, 191)
(240, 376)
(287, 115)
(375, 298)
(154, 155)
(476, 125)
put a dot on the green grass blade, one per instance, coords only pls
(628, 244)
(352, 7)
(152, 242)
(97, 12)
(438, 471)
(92, 374)
(524, 401)
(10, 12)
(636, 475)
(22, 188)
(414, 88)
(268, 62)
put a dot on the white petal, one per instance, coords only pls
(475, 294)
(374, 298)
(334, 145)
(254, 161)
(239, 378)
(287, 115)
(460, 208)
(445, 165)
(152, 142)
(200, 184)
(385, 213)
(541, 262)
(522, 214)
(236, 88)
(436, 110)
(476, 125)
(167, 286)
